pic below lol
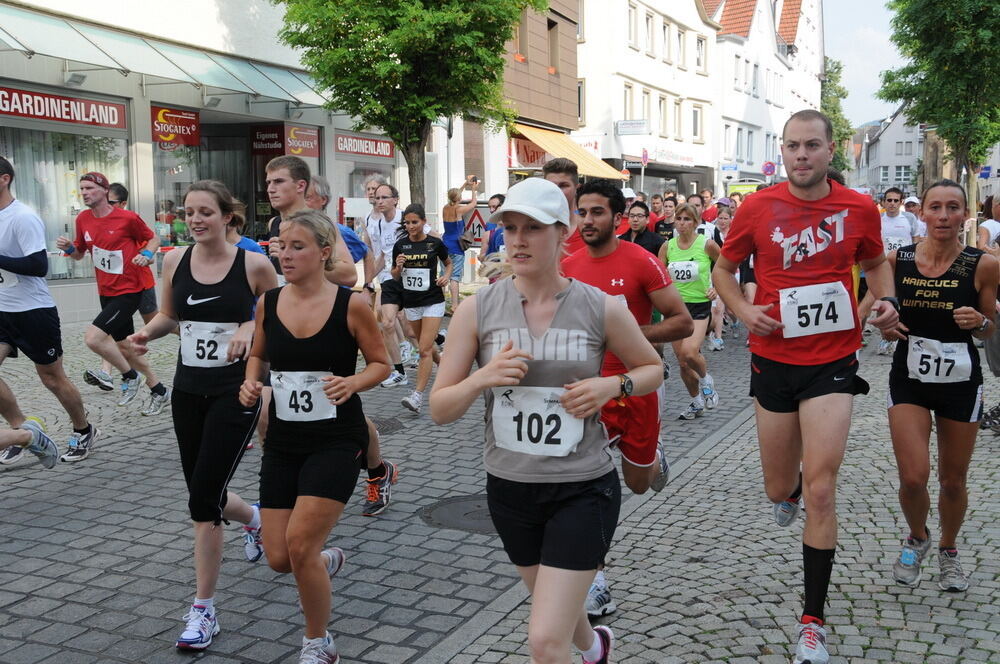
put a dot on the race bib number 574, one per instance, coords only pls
(816, 309)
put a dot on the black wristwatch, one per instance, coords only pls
(891, 300)
(626, 385)
(985, 324)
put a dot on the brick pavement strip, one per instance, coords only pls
(95, 556)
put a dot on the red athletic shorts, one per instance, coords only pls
(635, 423)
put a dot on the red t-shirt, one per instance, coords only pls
(655, 219)
(711, 214)
(574, 242)
(799, 243)
(630, 273)
(114, 240)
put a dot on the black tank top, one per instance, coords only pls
(333, 349)
(926, 307)
(207, 314)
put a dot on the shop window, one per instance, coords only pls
(553, 30)
(47, 166)
(173, 171)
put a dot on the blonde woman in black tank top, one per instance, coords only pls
(209, 288)
(553, 492)
(310, 331)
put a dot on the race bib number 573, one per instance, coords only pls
(530, 420)
(816, 309)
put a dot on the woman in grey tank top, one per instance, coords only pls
(539, 341)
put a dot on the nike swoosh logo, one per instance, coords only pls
(838, 378)
(191, 301)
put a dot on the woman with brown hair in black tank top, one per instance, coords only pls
(309, 332)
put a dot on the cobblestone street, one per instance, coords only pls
(95, 557)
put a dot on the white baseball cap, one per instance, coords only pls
(628, 193)
(912, 199)
(537, 198)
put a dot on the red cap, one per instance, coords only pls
(96, 178)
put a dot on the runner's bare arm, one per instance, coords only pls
(755, 316)
(343, 273)
(676, 323)
(987, 276)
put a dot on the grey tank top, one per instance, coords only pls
(529, 436)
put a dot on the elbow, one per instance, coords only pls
(688, 328)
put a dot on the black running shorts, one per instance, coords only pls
(331, 472)
(962, 402)
(35, 332)
(147, 302)
(700, 310)
(779, 387)
(566, 525)
(116, 314)
(392, 293)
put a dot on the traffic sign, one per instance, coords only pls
(645, 158)
(628, 163)
(985, 172)
(768, 168)
(730, 167)
(626, 172)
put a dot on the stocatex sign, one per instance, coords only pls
(173, 127)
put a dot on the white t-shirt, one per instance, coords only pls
(388, 232)
(22, 233)
(896, 231)
(993, 226)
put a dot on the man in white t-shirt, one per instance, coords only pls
(912, 208)
(897, 232)
(29, 323)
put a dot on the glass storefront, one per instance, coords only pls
(48, 166)
(173, 170)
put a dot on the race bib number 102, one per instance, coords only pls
(530, 420)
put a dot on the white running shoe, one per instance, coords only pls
(787, 511)
(413, 402)
(319, 651)
(599, 601)
(41, 445)
(811, 648)
(253, 543)
(394, 379)
(156, 403)
(694, 409)
(130, 389)
(200, 629)
(335, 559)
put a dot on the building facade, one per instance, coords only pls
(889, 156)
(113, 93)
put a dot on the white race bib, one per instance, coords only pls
(108, 261)
(816, 309)
(530, 420)
(416, 278)
(7, 279)
(933, 361)
(683, 271)
(299, 397)
(206, 344)
(894, 243)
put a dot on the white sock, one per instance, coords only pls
(599, 578)
(594, 652)
(707, 382)
(699, 401)
(209, 603)
(255, 519)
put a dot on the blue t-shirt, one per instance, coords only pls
(452, 231)
(250, 245)
(496, 240)
(355, 244)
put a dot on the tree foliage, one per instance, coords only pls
(949, 79)
(832, 92)
(402, 64)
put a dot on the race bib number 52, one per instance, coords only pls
(816, 309)
(206, 344)
(530, 420)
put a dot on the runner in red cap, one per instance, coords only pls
(806, 234)
(123, 247)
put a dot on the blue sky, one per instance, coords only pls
(857, 34)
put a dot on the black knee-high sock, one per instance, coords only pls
(817, 564)
(798, 490)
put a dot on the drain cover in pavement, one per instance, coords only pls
(468, 513)
(387, 425)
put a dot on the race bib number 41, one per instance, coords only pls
(206, 344)
(108, 261)
(299, 396)
(816, 309)
(933, 361)
(416, 278)
(530, 420)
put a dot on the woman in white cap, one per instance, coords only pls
(539, 341)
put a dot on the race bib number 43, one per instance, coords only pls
(206, 344)
(530, 420)
(933, 361)
(816, 309)
(108, 261)
(299, 396)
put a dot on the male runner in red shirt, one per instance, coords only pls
(805, 236)
(632, 274)
(122, 246)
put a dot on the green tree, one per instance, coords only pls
(949, 80)
(402, 64)
(832, 92)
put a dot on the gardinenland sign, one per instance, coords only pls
(350, 146)
(72, 110)
(173, 127)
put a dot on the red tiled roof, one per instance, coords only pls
(788, 27)
(711, 6)
(737, 16)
